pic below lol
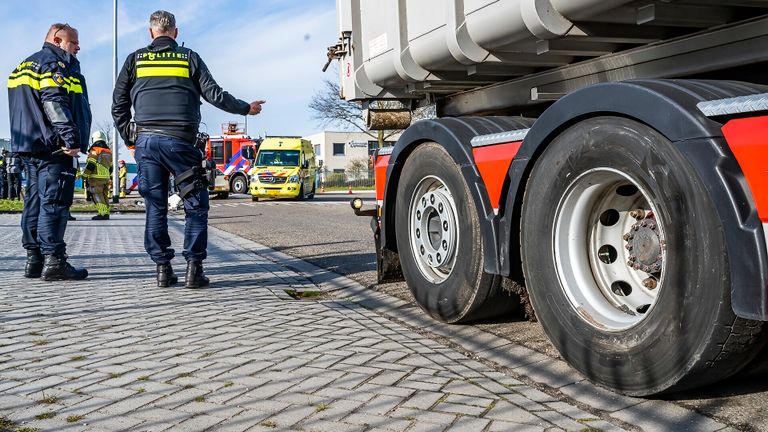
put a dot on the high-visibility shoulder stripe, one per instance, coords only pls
(38, 84)
(29, 72)
(143, 72)
(162, 62)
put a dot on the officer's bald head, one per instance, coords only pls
(65, 37)
(59, 30)
(162, 23)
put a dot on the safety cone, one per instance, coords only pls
(322, 187)
(349, 192)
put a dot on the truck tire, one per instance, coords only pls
(439, 241)
(238, 185)
(300, 196)
(625, 262)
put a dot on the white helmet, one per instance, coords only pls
(98, 136)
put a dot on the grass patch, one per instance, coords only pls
(8, 205)
(268, 423)
(77, 358)
(301, 295)
(6, 423)
(74, 418)
(188, 386)
(321, 407)
(199, 399)
(113, 375)
(229, 384)
(41, 342)
(27, 429)
(141, 390)
(143, 378)
(35, 333)
(184, 375)
(46, 415)
(48, 400)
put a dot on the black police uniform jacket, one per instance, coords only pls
(48, 102)
(163, 82)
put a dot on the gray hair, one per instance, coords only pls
(162, 21)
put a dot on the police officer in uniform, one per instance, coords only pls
(50, 122)
(163, 82)
(14, 170)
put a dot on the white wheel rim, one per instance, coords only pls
(610, 262)
(433, 229)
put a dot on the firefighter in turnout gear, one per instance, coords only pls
(97, 172)
(50, 120)
(122, 175)
(163, 82)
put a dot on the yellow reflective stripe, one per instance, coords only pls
(143, 72)
(30, 72)
(162, 62)
(24, 80)
(38, 84)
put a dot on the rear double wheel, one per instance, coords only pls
(439, 241)
(625, 262)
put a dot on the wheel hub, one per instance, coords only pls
(434, 229)
(644, 246)
(609, 249)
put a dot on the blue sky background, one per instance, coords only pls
(256, 49)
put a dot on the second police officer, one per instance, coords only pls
(163, 82)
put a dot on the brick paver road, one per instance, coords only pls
(115, 352)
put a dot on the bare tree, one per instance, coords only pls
(356, 168)
(330, 110)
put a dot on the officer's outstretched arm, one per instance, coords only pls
(54, 94)
(211, 91)
(121, 99)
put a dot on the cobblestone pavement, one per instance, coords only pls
(115, 352)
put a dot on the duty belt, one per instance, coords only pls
(188, 136)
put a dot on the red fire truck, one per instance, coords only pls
(226, 152)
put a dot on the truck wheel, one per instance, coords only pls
(222, 195)
(625, 262)
(439, 241)
(238, 185)
(300, 196)
(254, 198)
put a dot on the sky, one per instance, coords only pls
(256, 49)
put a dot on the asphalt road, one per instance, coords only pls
(325, 232)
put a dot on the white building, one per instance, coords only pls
(334, 151)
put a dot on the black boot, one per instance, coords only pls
(34, 263)
(195, 276)
(57, 268)
(165, 276)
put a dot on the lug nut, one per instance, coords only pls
(649, 283)
(637, 214)
(628, 247)
(643, 224)
(628, 237)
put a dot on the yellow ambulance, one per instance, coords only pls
(284, 168)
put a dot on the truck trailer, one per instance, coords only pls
(600, 164)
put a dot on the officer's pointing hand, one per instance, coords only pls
(256, 107)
